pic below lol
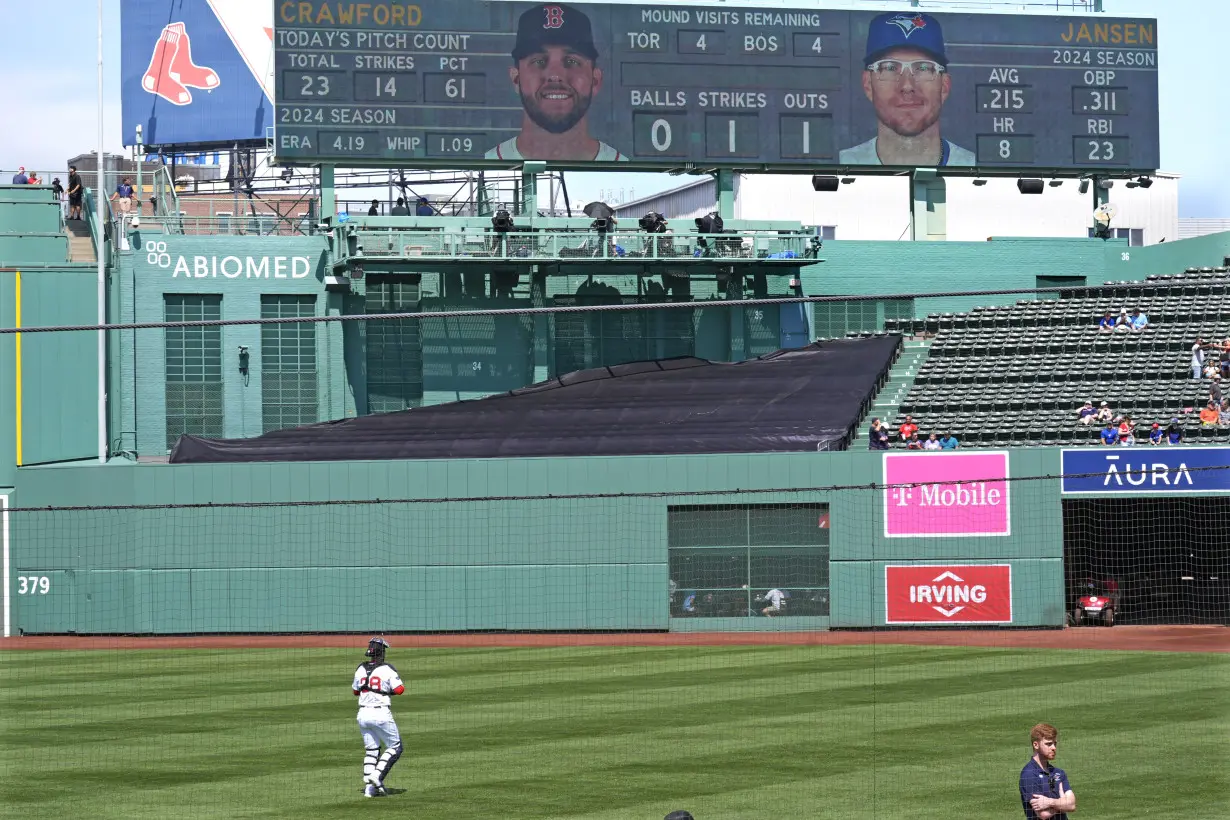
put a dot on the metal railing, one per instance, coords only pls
(264, 224)
(392, 243)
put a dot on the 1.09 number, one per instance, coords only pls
(456, 145)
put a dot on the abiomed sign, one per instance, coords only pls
(1151, 470)
(925, 500)
(948, 594)
(228, 267)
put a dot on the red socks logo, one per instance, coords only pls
(171, 71)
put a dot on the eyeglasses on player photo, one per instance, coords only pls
(891, 71)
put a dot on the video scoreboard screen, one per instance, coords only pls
(449, 82)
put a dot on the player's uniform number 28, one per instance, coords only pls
(372, 683)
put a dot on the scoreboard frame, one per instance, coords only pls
(692, 89)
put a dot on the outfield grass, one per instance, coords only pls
(605, 733)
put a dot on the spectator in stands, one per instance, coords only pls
(1107, 324)
(1174, 433)
(1215, 394)
(932, 442)
(1124, 322)
(877, 437)
(1139, 320)
(1105, 414)
(20, 177)
(1126, 428)
(1156, 434)
(34, 178)
(400, 208)
(1224, 412)
(907, 429)
(1086, 414)
(57, 191)
(424, 208)
(375, 209)
(1197, 359)
(949, 442)
(123, 195)
(912, 443)
(1209, 415)
(1110, 434)
(76, 193)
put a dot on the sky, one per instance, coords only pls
(51, 78)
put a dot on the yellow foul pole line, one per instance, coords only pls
(17, 351)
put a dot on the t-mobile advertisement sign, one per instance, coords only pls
(948, 594)
(933, 495)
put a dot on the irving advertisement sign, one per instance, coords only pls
(948, 594)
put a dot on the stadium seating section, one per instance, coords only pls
(1016, 375)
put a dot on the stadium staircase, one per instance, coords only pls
(901, 378)
(80, 241)
(1016, 375)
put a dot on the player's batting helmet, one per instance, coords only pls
(376, 648)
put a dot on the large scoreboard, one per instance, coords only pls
(464, 82)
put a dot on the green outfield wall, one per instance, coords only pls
(496, 561)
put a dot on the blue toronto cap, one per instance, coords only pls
(905, 30)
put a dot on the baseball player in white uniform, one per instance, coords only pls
(777, 601)
(375, 682)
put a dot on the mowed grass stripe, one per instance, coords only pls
(792, 721)
(604, 699)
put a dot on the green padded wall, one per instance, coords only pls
(503, 563)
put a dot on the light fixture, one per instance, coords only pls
(1084, 186)
(1030, 186)
(712, 223)
(1132, 185)
(1106, 184)
(824, 183)
(1055, 183)
(1144, 182)
(847, 180)
(287, 173)
(980, 182)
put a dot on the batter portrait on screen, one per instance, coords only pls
(555, 71)
(905, 75)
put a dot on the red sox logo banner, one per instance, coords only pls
(555, 17)
(948, 594)
(171, 71)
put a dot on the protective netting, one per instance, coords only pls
(614, 655)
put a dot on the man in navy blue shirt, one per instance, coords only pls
(1110, 434)
(1045, 791)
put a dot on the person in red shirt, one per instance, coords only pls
(907, 428)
